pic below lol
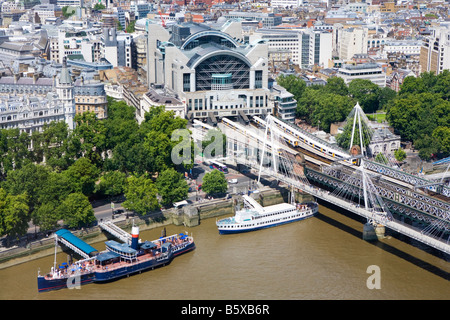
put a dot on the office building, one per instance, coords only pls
(435, 51)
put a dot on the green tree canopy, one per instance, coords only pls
(14, 214)
(172, 186)
(83, 175)
(76, 210)
(292, 84)
(140, 194)
(214, 182)
(366, 93)
(112, 183)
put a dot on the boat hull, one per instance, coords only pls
(140, 267)
(71, 282)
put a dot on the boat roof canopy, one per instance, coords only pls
(147, 245)
(120, 247)
(104, 256)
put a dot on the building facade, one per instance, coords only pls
(210, 71)
(29, 113)
(306, 47)
(367, 71)
(349, 41)
(435, 51)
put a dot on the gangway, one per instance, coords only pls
(110, 227)
(250, 202)
(65, 237)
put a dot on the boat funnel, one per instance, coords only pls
(134, 237)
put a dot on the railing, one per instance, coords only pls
(407, 230)
(115, 231)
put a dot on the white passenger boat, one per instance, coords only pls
(255, 217)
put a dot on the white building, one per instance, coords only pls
(435, 50)
(286, 3)
(349, 41)
(384, 141)
(71, 41)
(71, 3)
(45, 11)
(30, 112)
(367, 71)
(160, 97)
(117, 47)
(402, 47)
(306, 47)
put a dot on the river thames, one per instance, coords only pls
(323, 257)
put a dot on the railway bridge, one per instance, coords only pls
(274, 143)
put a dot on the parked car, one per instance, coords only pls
(233, 181)
(118, 211)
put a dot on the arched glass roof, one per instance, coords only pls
(209, 36)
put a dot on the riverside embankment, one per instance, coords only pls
(189, 216)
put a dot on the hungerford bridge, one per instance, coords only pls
(384, 195)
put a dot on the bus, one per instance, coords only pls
(219, 166)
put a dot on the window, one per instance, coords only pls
(186, 82)
(258, 78)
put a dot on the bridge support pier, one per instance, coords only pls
(369, 233)
(372, 232)
(380, 230)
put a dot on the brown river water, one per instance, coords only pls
(323, 257)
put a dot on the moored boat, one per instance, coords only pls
(254, 216)
(117, 261)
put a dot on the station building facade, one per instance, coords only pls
(212, 72)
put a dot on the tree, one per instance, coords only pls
(47, 216)
(29, 179)
(381, 158)
(172, 186)
(292, 84)
(76, 210)
(336, 85)
(330, 108)
(14, 214)
(67, 11)
(442, 136)
(82, 175)
(140, 194)
(366, 93)
(55, 142)
(159, 146)
(343, 139)
(99, 6)
(112, 183)
(130, 27)
(91, 133)
(400, 155)
(214, 182)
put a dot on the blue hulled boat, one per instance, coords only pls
(118, 260)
